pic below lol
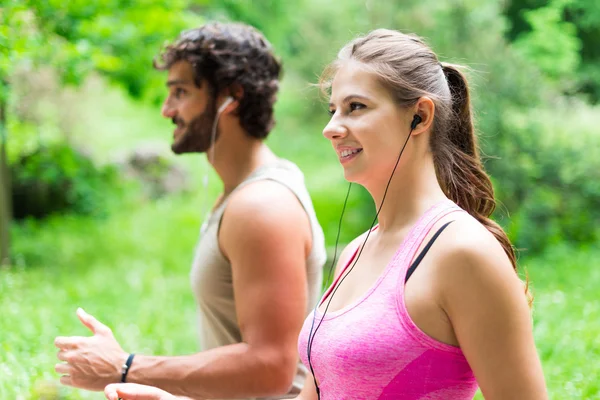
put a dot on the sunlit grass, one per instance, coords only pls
(131, 271)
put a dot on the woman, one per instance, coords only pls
(427, 304)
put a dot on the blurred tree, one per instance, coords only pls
(563, 38)
(12, 48)
(116, 38)
(559, 58)
(5, 190)
(113, 37)
(552, 47)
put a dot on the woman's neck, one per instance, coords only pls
(411, 192)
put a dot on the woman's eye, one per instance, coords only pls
(351, 107)
(356, 106)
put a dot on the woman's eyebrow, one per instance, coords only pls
(350, 97)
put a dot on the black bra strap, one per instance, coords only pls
(416, 263)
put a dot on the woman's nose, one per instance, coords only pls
(335, 130)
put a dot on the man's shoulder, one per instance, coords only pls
(263, 195)
(263, 216)
(264, 204)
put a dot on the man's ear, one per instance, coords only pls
(236, 91)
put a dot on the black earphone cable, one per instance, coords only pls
(329, 276)
(311, 334)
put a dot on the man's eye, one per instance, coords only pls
(331, 112)
(356, 106)
(179, 92)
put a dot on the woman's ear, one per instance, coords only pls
(423, 114)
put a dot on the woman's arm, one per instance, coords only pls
(487, 306)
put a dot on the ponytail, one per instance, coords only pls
(463, 178)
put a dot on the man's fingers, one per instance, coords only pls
(65, 355)
(64, 369)
(92, 323)
(66, 380)
(111, 392)
(67, 343)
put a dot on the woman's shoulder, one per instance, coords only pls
(468, 237)
(469, 253)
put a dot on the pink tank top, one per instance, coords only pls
(371, 349)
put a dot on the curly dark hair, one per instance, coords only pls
(226, 54)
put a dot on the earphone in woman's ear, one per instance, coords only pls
(416, 121)
(313, 330)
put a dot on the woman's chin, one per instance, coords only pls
(353, 176)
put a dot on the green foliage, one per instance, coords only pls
(504, 79)
(56, 178)
(562, 152)
(558, 28)
(118, 39)
(112, 37)
(552, 43)
(15, 40)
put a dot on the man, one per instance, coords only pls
(258, 264)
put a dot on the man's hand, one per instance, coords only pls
(93, 362)
(133, 391)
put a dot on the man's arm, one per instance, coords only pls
(265, 233)
(309, 391)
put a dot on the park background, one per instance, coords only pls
(105, 218)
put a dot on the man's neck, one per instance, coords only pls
(235, 162)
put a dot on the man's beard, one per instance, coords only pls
(197, 135)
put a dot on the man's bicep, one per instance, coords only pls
(267, 249)
(270, 290)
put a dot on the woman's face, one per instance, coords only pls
(367, 128)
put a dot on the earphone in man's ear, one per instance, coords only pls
(227, 102)
(416, 121)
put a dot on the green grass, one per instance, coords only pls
(131, 268)
(131, 271)
(567, 320)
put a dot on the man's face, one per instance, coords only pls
(191, 108)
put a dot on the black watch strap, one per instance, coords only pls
(125, 368)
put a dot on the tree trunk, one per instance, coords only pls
(5, 191)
